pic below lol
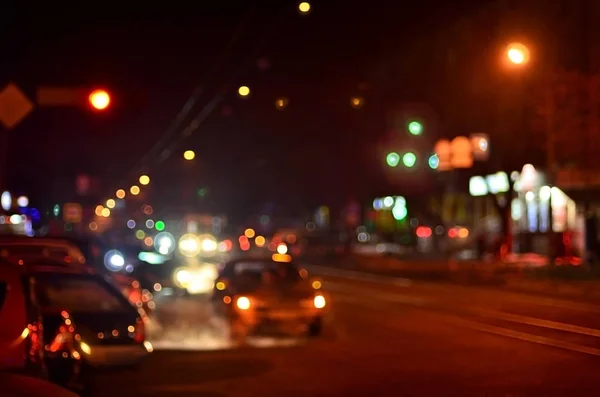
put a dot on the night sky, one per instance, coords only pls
(248, 154)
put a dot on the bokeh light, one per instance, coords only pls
(144, 180)
(120, 193)
(189, 155)
(110, 203)
(135, 190)
(244, 91)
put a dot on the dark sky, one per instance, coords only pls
(318, 150)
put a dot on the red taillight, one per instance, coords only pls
(140, 331)
(61, 341)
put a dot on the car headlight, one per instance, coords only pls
(319, 301)
(243, 303)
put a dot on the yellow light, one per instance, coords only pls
(243, 303)
(249, 233)
(285, 258)
(99, 99)
(135, 190)
(189, 245)
(244, 91)
(260, 241)
(189, 155)
(517, 53)
(304, 7)
(316, 284)
(110, 203)
(105, 212)
(85, 348)
(144, 180)
(220, 286)
(120, 193)
(98, 210)
(319, 301)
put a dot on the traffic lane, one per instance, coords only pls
(579, 313)
(377, 348)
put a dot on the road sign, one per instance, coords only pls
(72, 212)
(14, 106)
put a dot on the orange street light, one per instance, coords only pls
(517, 54)
(99, 99)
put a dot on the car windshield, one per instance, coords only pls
(79, 294)
(265, 272)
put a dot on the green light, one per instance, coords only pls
(160, 226)
(56, 210)
(415, 128)
(392, 159)
(434, 162)
(409, 159)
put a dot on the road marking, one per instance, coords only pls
(492, 329)
(575, 329)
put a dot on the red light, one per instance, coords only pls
(423, 232)
(452, 233)
(243, 239)
(140, 331)
(99, 99)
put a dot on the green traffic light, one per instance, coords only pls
(409, 160)
(415, 128)
(160, 226)
(392, 159)
(434, 162)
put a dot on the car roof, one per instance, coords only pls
(72, 249)
(44, 266)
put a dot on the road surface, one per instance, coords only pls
(384, 339)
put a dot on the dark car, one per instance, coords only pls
(111, 330)
(33, 339)
(262, 295)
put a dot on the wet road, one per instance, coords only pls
(384, 339)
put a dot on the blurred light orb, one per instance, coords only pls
(208, 244)
(282, 249)
(149, 223)
(144, 180)
(23, 201)
(244, 91)
(131, 224)
(134, 190)
(164, 243)
(110, 203)
(517, 53)
(189, 155)
(281, 103)
(357, 102)
(98, 210)
(105, 212)
(99, 99)
(392, 159)
(304, 7)
(189, 245)
(249, 233)
(120, 194)
(6, 200)
(114, 260)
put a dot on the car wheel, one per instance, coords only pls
(315, 328)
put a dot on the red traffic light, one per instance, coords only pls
(99, 99)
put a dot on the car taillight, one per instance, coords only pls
(62, 340)
(140, 331)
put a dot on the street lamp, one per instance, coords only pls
(304, 7)
(99, 99)
(144, 180)
(189, 155)
(244, 91)
(517, 54)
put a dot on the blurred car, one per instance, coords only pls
(28, 248)
(262, 295)
(110, 328)
(33, 339)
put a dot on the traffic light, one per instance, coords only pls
(99, 99)
(409, 159)
(434, 161)
(392, 159)
(415, 128)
